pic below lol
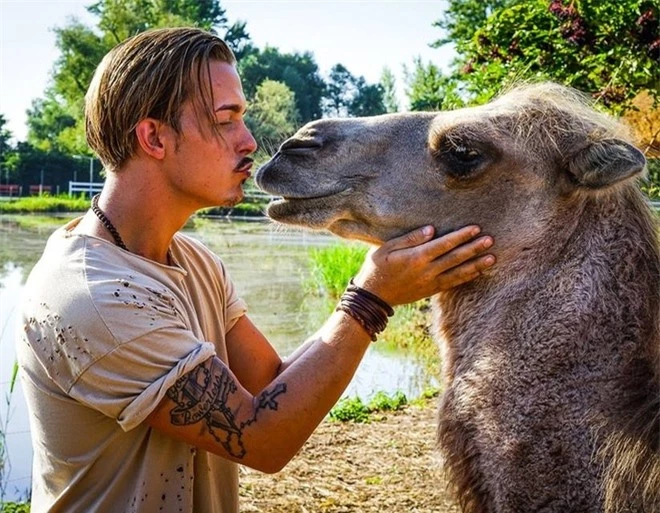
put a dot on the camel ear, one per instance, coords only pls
(604, 163)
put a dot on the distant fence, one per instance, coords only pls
(255, 195)
(88, 187)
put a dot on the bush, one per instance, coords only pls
(353, 409)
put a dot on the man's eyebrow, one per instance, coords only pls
(234, 107)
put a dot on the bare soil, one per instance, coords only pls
(387, 465)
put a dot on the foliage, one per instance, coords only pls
(5, 138)
(15, 507)
(430, 89)
(368, 99)
(462, 19)
(55, 122)
(353, 409)
(332, 267)
(45, 203)
(388, 83)
(272, 116)
(298, 71)
(348, 95)
(26, 165)
(652, 185)
(609, 49)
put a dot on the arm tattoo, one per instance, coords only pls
(201, 395)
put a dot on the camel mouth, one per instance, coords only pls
(290, 198)
(292, 209)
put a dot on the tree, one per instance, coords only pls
(238, 39)
(340, 90)
(368, 99)
(272, 116)
(463, 18)
(429, 89)
(5, 138)
(298, 71)
(388, 83)
(55, 122)
(607, 48)
(348, 95)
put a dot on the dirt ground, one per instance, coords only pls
(389, 465)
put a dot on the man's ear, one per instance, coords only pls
(150, 137)
(604, 163)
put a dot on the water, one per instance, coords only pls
(269, 267)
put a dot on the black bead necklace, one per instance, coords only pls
(106, 222)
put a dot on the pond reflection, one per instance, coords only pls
(269, 266)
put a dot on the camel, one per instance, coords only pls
(551, 359)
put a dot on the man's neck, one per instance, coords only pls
(144, 214)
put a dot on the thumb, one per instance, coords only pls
(410, 239)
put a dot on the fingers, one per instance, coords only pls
(464, 272)
(453, 257)
(410, 239)
(450, 241)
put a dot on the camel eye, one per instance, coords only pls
(464, 154)
(459, 159)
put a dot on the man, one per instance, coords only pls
(146, 381)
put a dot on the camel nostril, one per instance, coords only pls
(300, 146)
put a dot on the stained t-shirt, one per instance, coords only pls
(105, 334)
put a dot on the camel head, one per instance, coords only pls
(519, 167)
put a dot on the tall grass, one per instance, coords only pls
(332, 267)
(45, 203)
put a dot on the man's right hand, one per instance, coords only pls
(415, 265)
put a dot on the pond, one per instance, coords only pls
(270, 267)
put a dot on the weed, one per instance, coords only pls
(353, 409)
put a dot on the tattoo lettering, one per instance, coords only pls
(201, 395)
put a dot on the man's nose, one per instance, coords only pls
(248, 142)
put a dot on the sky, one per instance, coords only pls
(363, 35)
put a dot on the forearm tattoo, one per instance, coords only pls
(201, 396)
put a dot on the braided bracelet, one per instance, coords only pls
(370, 311)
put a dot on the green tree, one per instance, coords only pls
(272, 116)
(238, 39)
(5, 138)
(463, 18)
(368, 99)
(348, 95)
(388, 83)
(607, 48)
(55, 122)
(340, 90)
(298, 71)
(429, 89)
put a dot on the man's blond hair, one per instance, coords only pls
(150, 75)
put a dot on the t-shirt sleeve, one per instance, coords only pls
(129, 382)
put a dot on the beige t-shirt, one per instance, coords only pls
(106, 333)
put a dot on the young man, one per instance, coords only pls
(146, 381)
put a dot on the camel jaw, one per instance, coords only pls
(316, 212)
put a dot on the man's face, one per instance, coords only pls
(209, 164)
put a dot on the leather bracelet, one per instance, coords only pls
(370, 311)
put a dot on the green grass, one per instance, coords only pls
(15, 507)
(353, 409)
(66, 203)
(45, 203)
(332, 267)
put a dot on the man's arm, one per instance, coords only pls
(217, 407)
(210, 409)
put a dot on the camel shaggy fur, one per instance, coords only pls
(551, 360)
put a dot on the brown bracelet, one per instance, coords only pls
(366, 308)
